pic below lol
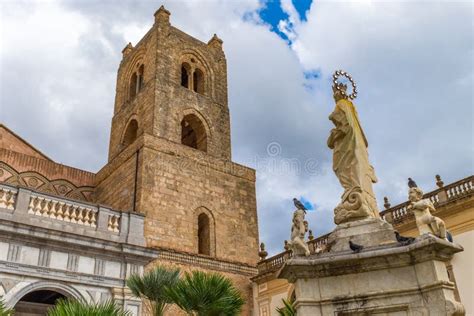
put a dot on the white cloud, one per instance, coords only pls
(412, 63)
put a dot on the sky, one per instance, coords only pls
(412, 62)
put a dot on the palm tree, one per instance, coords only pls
(288, 309)
(4, 311)
(70, 307)
(152, 286)
(206, 294)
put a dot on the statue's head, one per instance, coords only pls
(339, 91)
(415, 194)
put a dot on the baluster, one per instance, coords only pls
(94, 219)
(80, 216)
(67, 213)
(74, 214)
(60, 213)
(45, 207)
(11, 200)
(31, 206)
(114, 223)
(87, 216)
(38, 207)
(3, 200)
(109, 223)
(52, 208)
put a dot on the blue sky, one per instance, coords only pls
(415, 98)
(272, 13)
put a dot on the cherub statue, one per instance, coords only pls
(422, 208)
(298, 230)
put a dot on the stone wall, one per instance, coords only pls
(174, 191)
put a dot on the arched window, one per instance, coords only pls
(204, 235)
(185, 69)
(141, 70)
(133, 85)
(198, 81)
(193, 133)
(130, 133)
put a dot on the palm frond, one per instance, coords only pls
(68, 307)
(208, 294)
(4, 311)
(152, 286)
(288, 309)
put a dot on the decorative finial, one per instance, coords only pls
(310, 234)
(286, 246)
(340, 89)
(162, 14)
(215, 41)
(386, 203)
(262, 253)
(127, 49)
(439, 182)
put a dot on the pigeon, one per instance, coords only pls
(411, 183)
(355, 247)
(404, 240)
(299, 205)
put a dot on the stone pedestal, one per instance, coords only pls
(385, 278)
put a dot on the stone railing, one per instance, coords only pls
(8, 197)
(395, 215)
(71, 212)
(48, 211)
(274, 263)
(441, 196)
(205, 262)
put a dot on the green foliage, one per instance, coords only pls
(206, 294)
(288, 309)
(152, 286)
(76, 308)
(4, 311)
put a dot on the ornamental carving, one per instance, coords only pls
(37, 181)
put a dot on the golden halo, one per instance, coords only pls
(340, 73)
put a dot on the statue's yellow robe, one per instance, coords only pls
(350, 156)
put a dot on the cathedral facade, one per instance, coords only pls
(169, 193)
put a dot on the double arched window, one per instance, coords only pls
(192, 77)
(136, 81)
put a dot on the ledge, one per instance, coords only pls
(425, 247)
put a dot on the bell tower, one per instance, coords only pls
(172, 86)
(170, 151)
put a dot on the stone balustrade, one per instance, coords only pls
(8, 197)
(446, 194)
(395, 215)
(29, 207)
(274, 263)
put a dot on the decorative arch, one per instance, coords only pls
(200, 70)
(37, 181)
(185, 74)
(133, 76)
(21, 289)
(194, 130)
(130, 133)
(205, 232)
